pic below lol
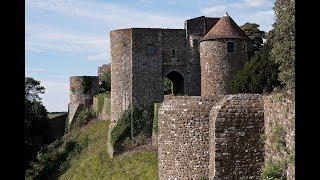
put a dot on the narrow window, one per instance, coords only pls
(150, 50)
(245, 47)
(173, 52)
(230, 47)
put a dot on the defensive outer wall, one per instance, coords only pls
(78, 97)
(224, 137)
(211, 137)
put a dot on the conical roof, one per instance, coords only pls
(225, 28)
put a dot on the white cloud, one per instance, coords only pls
(118, 16)
(257, 11)
(40, 38)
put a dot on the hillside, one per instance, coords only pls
(87, 158)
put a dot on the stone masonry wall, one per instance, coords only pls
(77, 96)
(183, 137)
(121, 68)
(218, 67)
(279, 113)
(105, 112)
(236, 148)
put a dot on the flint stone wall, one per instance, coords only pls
(279, 109)
(105, 111)
(77, 96)
(236, 147)
(218, 67)
(183, 137)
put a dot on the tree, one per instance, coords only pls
(106, 81)
(36, 119)
(33, 89)
(260, 74)
(255, 34)
(283, 50)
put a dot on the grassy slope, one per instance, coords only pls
(95, 163)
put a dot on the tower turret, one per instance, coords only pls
(223, 52)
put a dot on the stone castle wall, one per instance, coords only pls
(78, 98)
(121, 77)
(218, 67)
(183, 137)
(105, 111)
(236, 147)
(279, 110)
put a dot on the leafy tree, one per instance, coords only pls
(260, 74)
(283, 50)
(106, 81)
(33, 89)
(36, 119)
(255, 34)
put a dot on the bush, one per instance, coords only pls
(54, 160)
(274, 169)
(260, 75)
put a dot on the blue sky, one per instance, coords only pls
(71, 37)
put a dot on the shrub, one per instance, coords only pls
(260, 75)
(54, 159)
(274, 169)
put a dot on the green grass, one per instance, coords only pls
(93, 162)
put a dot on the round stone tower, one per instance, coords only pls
(223, 52)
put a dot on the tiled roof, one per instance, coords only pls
(225, 28)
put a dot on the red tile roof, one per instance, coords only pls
(225, 28)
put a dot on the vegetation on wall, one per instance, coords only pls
(283, 50)
(130, 125)
(155, 117)
(83, 118)
(274, 169)
(106, 80)
(101, 100)
(86, 84)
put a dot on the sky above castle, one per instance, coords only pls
(71, 37)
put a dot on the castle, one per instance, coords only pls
(204, 131)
